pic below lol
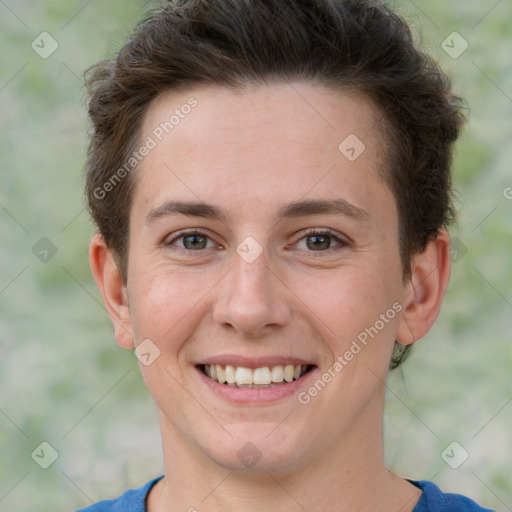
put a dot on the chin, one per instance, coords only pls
(250, 451)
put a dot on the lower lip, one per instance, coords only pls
(256, 395)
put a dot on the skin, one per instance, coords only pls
(251, 152)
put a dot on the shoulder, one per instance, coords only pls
(133, 500)
(435, 500)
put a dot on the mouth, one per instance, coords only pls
(255, 378)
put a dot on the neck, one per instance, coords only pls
(351, 476)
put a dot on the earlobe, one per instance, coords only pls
(423, 294)
(112, 289)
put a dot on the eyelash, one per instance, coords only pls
(342, 243)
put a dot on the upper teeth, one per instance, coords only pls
(240, 376)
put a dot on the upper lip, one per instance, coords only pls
(255, 362)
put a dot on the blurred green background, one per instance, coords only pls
(63, 379)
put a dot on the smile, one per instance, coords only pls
(262, 377)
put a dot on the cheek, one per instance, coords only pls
(350, 301)
(166, 305)
(166, 309)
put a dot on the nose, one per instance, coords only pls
(253, 300)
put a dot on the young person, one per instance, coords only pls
(271, 185)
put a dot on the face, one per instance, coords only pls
(291, 259)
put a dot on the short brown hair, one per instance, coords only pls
(358, 45)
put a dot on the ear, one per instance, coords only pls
(423, 293)
(112, 289)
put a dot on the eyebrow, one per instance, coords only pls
(322, 206)
(295, 209)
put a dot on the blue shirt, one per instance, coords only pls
(431, 500)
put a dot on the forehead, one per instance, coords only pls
(305, 109)
(260, 143)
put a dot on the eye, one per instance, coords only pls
(314, 241)
(321, 241)
(191, 241)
